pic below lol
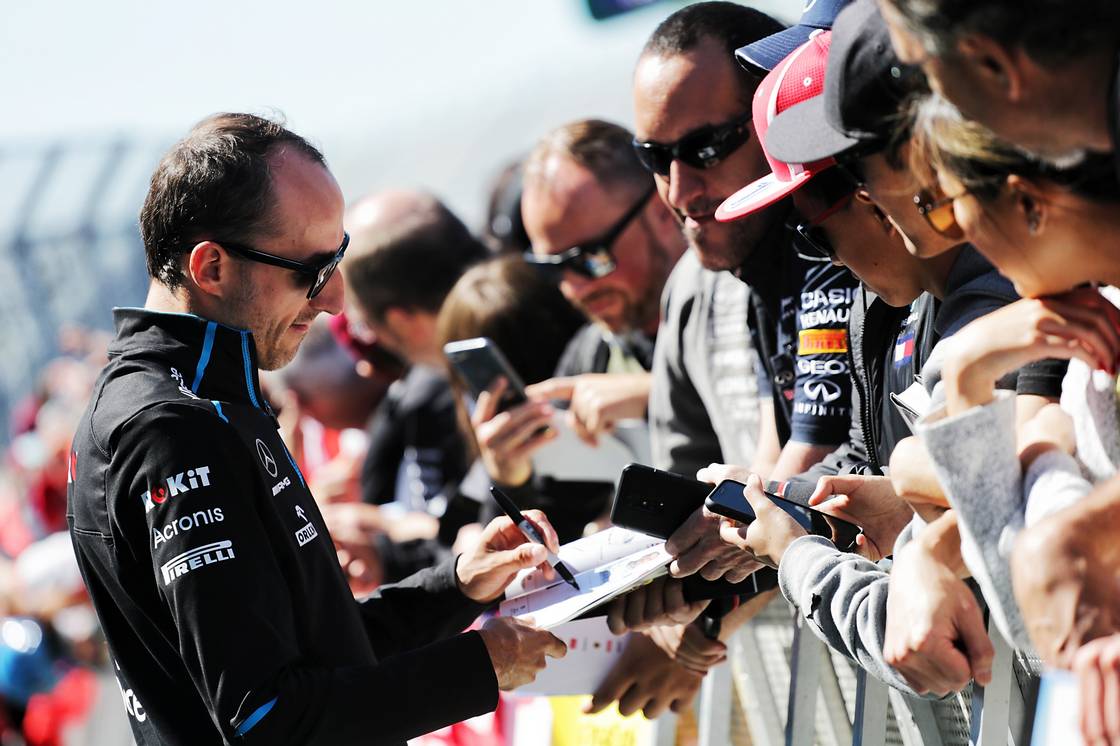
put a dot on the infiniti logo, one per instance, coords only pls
(265, 456)
(823, 391)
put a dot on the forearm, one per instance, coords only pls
(796, 458)
(843, 597)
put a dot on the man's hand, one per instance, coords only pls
(766, 538)
(518, 649)
(597, 400)
(353, 527)
(502, 551)
(935, 636)
(507, 440)
(646, 679)
(697, 545)
(689, 646)
(660, 601)
(870, 503)
(1097, 665)
(1049, 429)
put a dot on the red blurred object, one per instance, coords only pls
(385, 364)
(69, 702)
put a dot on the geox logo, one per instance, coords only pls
(193, 559)
(197, 477)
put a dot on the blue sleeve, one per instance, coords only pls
(822, 390)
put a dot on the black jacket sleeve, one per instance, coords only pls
(233, 614)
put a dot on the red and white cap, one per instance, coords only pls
(797, 78)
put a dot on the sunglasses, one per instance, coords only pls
(939, 214)
(318, 273)
(592, 259)
(810, 240)
(702, 148)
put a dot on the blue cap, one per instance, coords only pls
(764, 55)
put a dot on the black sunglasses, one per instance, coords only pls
(809, 239)
(702, 148)
(318, 272)
(592, 259)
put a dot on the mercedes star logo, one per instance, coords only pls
(266, 458)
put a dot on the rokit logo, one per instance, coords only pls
(186, 523)
(194, 478)
(194, 559)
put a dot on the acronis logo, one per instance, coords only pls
(184, 481)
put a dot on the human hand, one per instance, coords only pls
(697, 547)
(645, 678)
(766, 538)
(502, 551)
(935, 637)
(597, 400)
(1064, 572)
(689, 646)
(869, 502)
(1081, 323)
(661, 601)
(517, 650)
(1097, 665)
(507, 440)
(353, 528)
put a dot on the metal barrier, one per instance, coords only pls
(829, 700)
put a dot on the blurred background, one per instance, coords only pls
(439, 94)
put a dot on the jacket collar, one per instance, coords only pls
(209, 359)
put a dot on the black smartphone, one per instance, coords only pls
(479, 362)
(655, 502)
(727, 500)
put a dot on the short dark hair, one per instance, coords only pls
(214, 183)
(1050, 31)
(730, 24)
(605, 149)
(413, 264)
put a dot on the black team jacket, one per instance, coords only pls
(214, 577)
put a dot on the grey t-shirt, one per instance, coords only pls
(704, 405)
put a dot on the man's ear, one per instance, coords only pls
(1031, 202)
(997, 69)
(209, 266)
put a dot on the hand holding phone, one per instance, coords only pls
(655, 502)
(766, 532)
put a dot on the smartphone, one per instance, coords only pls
(655, 502)
(479, 362)
(727, 500)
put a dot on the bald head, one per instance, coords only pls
(406, 250)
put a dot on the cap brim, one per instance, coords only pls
(802, 134)
(766, 53)
(759, 195)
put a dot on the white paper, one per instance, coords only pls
(592, 651)
(913, 403)
(585, 554)
(559, 603)
(569, 458)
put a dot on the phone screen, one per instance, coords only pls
(727, 499)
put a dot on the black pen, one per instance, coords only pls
(509, 507)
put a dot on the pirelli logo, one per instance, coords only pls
(822, 341)
(194, 559)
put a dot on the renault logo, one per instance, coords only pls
(265, 456)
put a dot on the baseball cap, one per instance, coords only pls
(799, 77)
(865, 84)
(763, 55)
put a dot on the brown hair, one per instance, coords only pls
(603, 148)
(215, 183)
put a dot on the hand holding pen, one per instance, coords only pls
(485, 569)
(530, 530)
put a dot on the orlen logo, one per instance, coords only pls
(175, 485)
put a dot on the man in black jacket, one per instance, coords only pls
(209, 565)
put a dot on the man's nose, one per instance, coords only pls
(332, 297)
